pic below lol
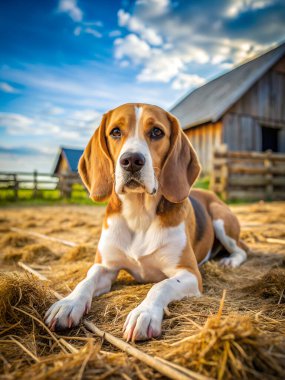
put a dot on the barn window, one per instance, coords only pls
(270, 139)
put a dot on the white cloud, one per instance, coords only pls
(192, 53)
(222, 54)
(86, 119)
(159, 64)
(97, 23)
(185, 81)
(123, 17)
(79, 30)
(115, 33)
(133, 24)
(15, 121)
(93, 32)
(160, 68)
(186, 41)
(165, 67)
(133, 48)
(18, 124)
(238, 6)
(67, 128)
(151, 36)
(162, 62)
(124, 63)
(153, 8)
(53, 110)
(85, 115)
(259, 4)
(71, 8)
(6, 87)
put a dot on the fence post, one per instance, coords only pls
(66, 185)
(35, 193)
(213, 178)
(225, 181)
(68, 190)
(225, 174)
(268, 175)
(16, 186)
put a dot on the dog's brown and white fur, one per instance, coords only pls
(152, 228)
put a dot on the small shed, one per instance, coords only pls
(243, 108)
(67, 161)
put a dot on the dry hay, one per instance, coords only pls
(36, 253)
(16, 240)
(271, 285)
(233, 345)
(29, 350)
(81, 252)
(88, 361)
(21, 296)
(245, 341)
(4, 225)
(229, 347)
(29, 225)
(56, 230)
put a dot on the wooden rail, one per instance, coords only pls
(37, 181)
(248, 175)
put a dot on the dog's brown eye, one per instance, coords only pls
(116, 133)
(156, 133)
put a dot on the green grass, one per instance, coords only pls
(44, 197)
(203, 183)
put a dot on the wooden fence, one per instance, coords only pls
(248, 175)
(37, 182)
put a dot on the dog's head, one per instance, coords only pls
(139, 148)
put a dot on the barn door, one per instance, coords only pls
(270, 139)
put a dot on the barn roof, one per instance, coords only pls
(209, 102)
(72, 157)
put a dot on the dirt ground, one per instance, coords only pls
(247, 341)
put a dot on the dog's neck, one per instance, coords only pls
(139, 209)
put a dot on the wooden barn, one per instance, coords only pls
(67, 161)
(66, 170)
(244, 109)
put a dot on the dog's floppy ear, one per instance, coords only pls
(95, 165)
(181, 167)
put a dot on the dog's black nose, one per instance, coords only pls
(132, 162)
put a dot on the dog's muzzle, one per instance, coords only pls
(132, 162)
(134, 171)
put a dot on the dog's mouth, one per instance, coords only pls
(134, 185)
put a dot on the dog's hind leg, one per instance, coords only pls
(227, 231)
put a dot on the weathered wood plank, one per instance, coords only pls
(250, 155)
(249, 175)
(265, 99)
(253, 194)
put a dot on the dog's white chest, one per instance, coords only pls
(146, 254)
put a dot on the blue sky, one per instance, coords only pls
(64, 63)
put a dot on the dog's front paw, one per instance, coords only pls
(230, 262)
(142, 323)
(66, 313)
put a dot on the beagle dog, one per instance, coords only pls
(155, 227)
